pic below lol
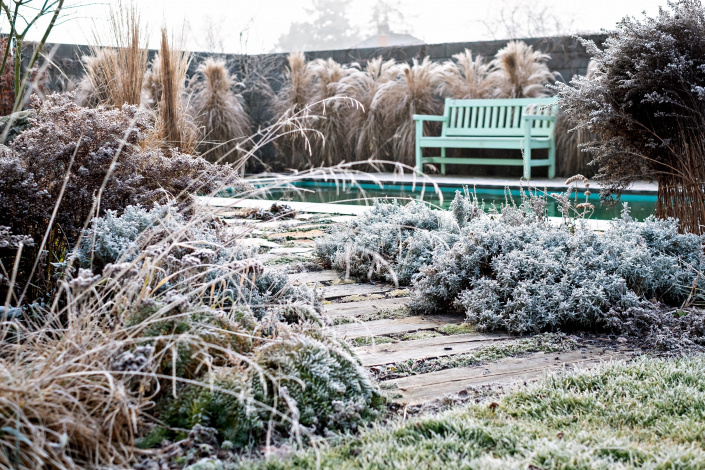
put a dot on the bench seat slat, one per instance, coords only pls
(481, 143)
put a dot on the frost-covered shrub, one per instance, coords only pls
(533, 276)
(392, 241)
(210, 257)
(302, 386)
(645, 101)
(89, 161)
(92, 145)
(253, 349)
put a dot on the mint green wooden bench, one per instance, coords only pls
(523, 124)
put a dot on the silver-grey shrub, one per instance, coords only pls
(392, 241)
(535, 276)
(209, 256)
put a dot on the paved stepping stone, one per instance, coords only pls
(354, 309)
(424, 387)
(346, 290)
(426, 348)
(393, 326)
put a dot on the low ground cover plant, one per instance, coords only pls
(391, 241)
(513, 270)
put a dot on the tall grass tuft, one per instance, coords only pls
(395, 103)
(521, 72)
(467, 78)
(366, 131)
(152, 84)
(94, 89)
(114, 74)
(291, 106)
(331, 100)
(219, 112)
(174, 125)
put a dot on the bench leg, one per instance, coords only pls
(552, 160)
(419, 155)
(443, 165)
(527, 162)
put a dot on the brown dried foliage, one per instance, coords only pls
(219, 113)
(521, 72)
(467, 78)
(395, 103)
(114, 75)
(97, 154)
(174, 125)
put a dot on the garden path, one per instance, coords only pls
(418, 358)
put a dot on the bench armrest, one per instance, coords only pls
(423, 117)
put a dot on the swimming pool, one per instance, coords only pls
(641, 205)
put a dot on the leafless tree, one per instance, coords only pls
(511, 19)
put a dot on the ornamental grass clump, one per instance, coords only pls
(330, 103)
(366, 130)
(645, 103)
(114, 74)
(521, 72)
(291, 105)
(467, 78)
(174, 124)
(219, 112)
(396, 101)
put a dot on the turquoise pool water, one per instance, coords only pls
(642, 205)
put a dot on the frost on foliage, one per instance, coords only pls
(533, 276)
(392, 241)
(120, 244)
(254, 341)
(645, 98)
(303, 385)
(94, 149)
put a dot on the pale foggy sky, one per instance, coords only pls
(255, 26)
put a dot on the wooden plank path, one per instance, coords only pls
(346, 290)
(326, 275)
(393, 326)
(362, 307)
(424, 387)
(285, 241)
(426, 348)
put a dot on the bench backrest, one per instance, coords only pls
(497, 117)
